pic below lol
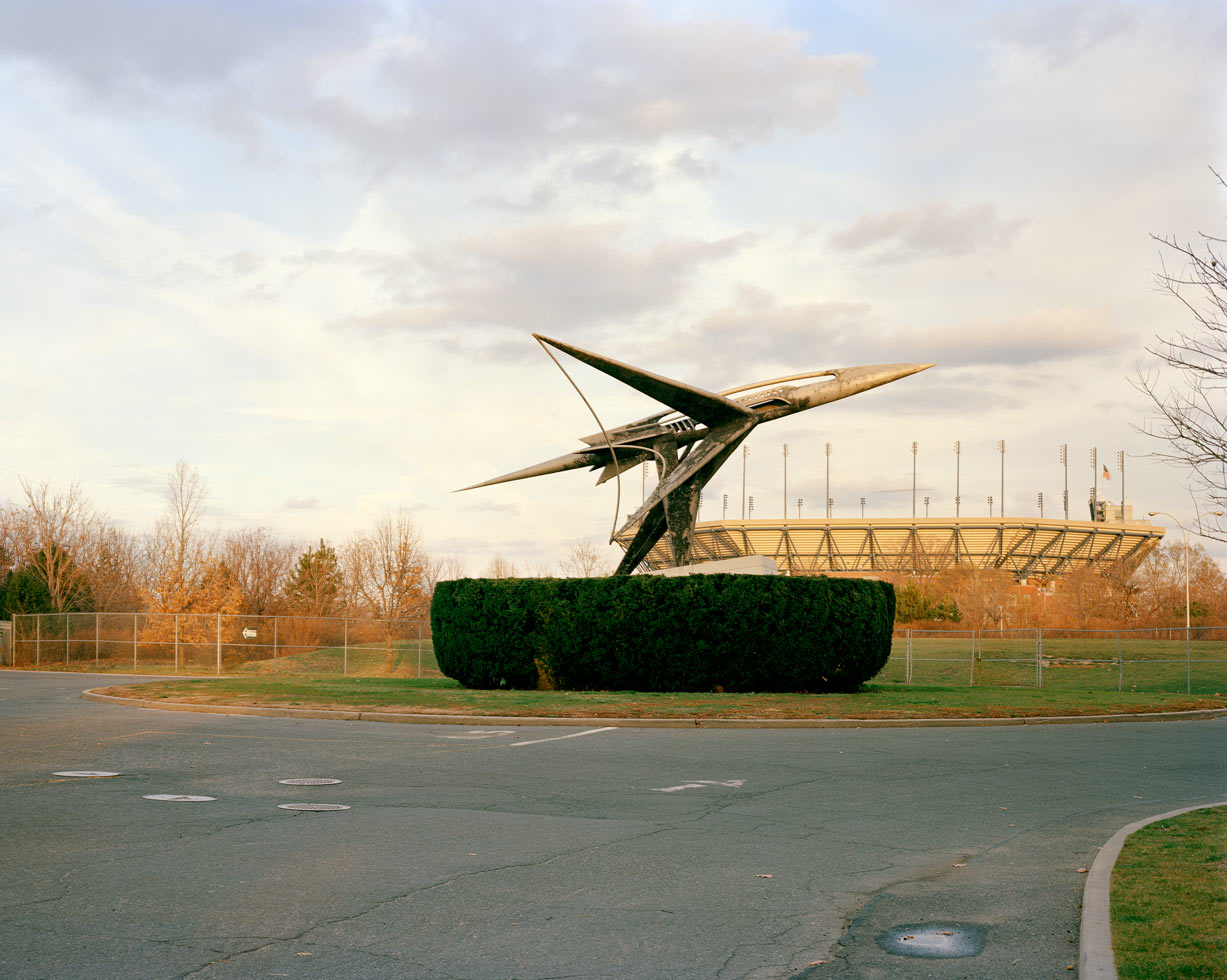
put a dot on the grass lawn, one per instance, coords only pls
(1169, 900)
(444, 696)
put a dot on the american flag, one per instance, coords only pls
(1106, 474)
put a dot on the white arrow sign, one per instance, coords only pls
(249, 633)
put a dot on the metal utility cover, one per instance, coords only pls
(88, 773)
(309, 781)
(176, 798)
(316, 807)
(934, 940)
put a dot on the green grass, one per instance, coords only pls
(1169, 900)
(441, 695)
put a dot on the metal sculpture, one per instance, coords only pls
(690, 440)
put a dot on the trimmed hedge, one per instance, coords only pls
(652, 633)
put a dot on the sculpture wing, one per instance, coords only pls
(703, 406)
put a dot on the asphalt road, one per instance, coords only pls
(555, 852)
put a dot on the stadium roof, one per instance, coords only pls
(923, 546)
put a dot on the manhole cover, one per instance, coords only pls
(934, 940)
(309, 781)
(88, 773)
(176, 798)
(317, 807)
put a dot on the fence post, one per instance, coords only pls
(176, 643)
(67, 630)
(219, 644)
(1039, 659)
(345, 655)
(38, 639)
(274, 644)
(1120, 664)
(419, 648)
(972, 681)
(134, 633)
(907, 671)
(97, 616)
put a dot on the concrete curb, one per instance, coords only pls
(409, 718)
(1096, 961)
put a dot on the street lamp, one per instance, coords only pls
(1188, 650)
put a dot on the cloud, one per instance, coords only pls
(936, 229)
(1061, 32)
(303, 503)
(1037, 337)
(545, 275)
(466, 83)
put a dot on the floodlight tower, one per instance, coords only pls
(958, 458)
(915, 447)
(828, 481)
(1065, 463)
(785, 481)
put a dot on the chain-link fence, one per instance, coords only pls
(6, 644)
(1193, 660)
(223, 644)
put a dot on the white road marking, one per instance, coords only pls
(482, 733)
(701, 784)
(559, 738)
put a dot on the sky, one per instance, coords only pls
(302, 245)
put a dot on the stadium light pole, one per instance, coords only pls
(958, 458)
(830, 506)
(643, 484)
(828, 481)
(915, 447)
(1065, 463)
(926, 506)
(1188, 649)
(1039, 498)
(745, 452)
(1095, 486)
(751, 507)
(800, 502)
(990, 506)
(724, 516)
(785, 481)
(1120, 465)
(1001, 449)
(862, 507)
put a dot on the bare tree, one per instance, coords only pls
(1192, 410)
(260, 561)
(500, 567)
(179, 550)
(52, 533)
(386, 573)
(113, 568)
(585, 560)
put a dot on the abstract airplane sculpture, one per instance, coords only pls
(691, 439)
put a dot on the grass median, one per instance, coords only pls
(1169, 899)
(444, 696)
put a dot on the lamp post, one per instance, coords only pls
(1188, 648)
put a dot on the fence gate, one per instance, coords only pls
(6, 644)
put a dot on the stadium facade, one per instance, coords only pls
(1025, 548)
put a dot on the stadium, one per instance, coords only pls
(1026, 548)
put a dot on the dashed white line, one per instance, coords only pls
(559, 738)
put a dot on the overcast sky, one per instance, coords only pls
(302, 245)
